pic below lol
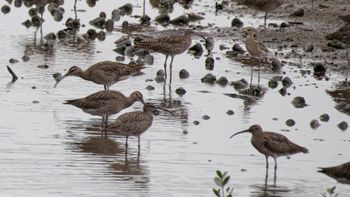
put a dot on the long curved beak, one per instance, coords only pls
(58, 81)
(244, 131)
(142, 101)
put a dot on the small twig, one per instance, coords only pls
(14, 76)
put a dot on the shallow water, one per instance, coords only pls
(51, 149)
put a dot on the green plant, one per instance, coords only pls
(221, 180)
(330, 192)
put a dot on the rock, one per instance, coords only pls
(283, 91)
(298, 13)
(236, 22)
(342, 125)
(184, 74)
(43, 66)
(25, 58)
(120, 58)
(27, 23)
(109, 25)
(324, 118)
(125, 9)
(5, 9)
(36, 21)
(209, 79)
(57, 76)
(185, 132)
(145, 20)
(222, 81)
(123, 41)
(141, 53)
(180, 20)
(149, 87)
(101, 35)
(35, 102)
(299, 102)
(336, 44)
(209, 63)
(205, 117)
(180, 91)
(287, 82)
(209, 43)
(98, 22)
(239, 84)
(314, 124)
(32, 12)
(284, 25)
(50, 36)
(120, 49)
(13, 61)
(196, 50)
(319, 69)
(273, 83)
(17, 3)
(196, 122)
(230, 112)
(237, 48)
(160, 76)
(129, 51)
(193, 17)
(149, 59)
(116, 15)
(163, 19)
(276, 65)
(92, 34)
(290, 122)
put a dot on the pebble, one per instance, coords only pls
(149, 87)
(109, 25)
(273, 83)
(342, 125)
(209, 63)
(237, 48)
(236, 22)
(209, 78)
(222, 81)
(149, 59)
(101, 35)
(324, 117)
(230, 112)
(299, 102)
(314, 124)
(298, 13)
(205, 117)
(276, 65)
(196, 122)
(5, 9)
(180, 20)
(196, 49)
(283, 91)
(184, 74)
(290, 122)
(25, 58)
(287, 82)
(319, 69)
(57, 76)
(240, 84)
(13, 60)
(145, 20)
(163, 19)
(120, 58)
(180, 91)
(126, 9)
(336, 44)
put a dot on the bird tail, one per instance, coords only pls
(303, 149)
(71, 102)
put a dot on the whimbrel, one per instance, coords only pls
(105, 103)
(255, 48)
(261, 5)
(133, 123)
(271, 144)
(105, 73)
(171, 45)
(342, 35)
(341, 173)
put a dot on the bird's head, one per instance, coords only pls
(249, 32)
(254, 129)
(73, 71)
(137, 96)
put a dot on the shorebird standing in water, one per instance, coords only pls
(272, 144)
(261, 5)
(171, 45)
(133, 123)
(341, 173)
(105, 73)
(105, 103)
(255, 48)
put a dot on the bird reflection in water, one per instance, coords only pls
(269, 190)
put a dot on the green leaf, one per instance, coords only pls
(224, 175)
(217, 192)
(332, 190)
(219, 173)
(229, 195)
(218, 181)
(226, 180)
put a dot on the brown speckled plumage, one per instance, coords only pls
(133, 123)
(105, 73)
(345, 18)
(341, 173)
(272, 144)
(106, 102)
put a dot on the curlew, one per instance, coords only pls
(133, 123)
(271, 144)
(255, 48)
(345, 18)
(171, 45)
(105, 103)
(105, 73)
(342, 35)
(261, 5)
(341, 173)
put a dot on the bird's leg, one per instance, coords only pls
(103, 121)
(347, 57)
(275, 168)
(171, 69)
(251, 77)
(260, 62)
(106, 88)
(265, 17)
(106, 120)
(126, 142)
(170, 97)
(267, 162)
(138, 142)
(165, 73)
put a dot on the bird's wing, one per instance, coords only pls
(130, 122)
(279, 144)
(262, 47)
